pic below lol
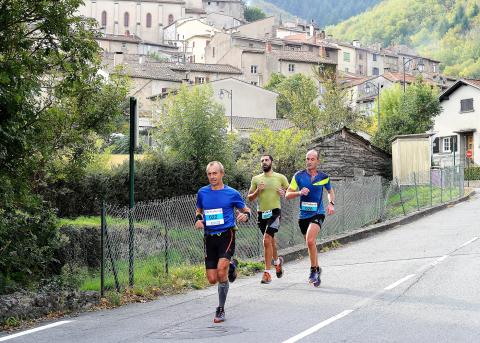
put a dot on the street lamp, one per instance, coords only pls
(377, 87)
(230, 95)
(420, 66)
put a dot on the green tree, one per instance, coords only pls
(297, 100)
(53, 106)
(335, 109)
(253, 14)
(406, 113)
(285, 146)
(194, 127)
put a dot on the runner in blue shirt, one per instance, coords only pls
(308, 184)
(215, 214)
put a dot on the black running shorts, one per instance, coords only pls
(316, 219)
(218, 246)
(269, 221)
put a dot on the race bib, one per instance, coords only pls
(267, 214)
(309, 206)
(214, 217)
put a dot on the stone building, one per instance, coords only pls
(345, 154)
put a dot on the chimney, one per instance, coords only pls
(268, 46)
(311, 29)
(322, 34)
(117, 58)
(356, 43)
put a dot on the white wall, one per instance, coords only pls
(451, 120)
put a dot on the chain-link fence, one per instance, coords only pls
(153, 237)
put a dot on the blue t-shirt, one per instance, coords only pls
(310, 204)
(218, 207)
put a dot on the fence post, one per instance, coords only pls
(441, 186)
(431, 189)
(401, 199)
(451, 182)
(416, 190)
(166, 250)
(102, 251)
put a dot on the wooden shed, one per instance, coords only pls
(345, 154)
(411, 154)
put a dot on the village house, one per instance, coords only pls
(457, 128)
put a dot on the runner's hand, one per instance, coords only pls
(304, 191)
(261, 186)
(242, 217)
(199, 225)
(281, 192)
(330, 209)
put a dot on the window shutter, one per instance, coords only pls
(436, 145)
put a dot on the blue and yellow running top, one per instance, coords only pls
(218, 207)
(310, 204)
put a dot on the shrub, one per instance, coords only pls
(472, 173)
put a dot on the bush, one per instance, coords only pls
(155, 178)
(29, 241)
(472, 173)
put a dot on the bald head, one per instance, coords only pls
(312, 161)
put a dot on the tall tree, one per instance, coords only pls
(336, 110)
(407, 113)
(53, 103)
(194, 127)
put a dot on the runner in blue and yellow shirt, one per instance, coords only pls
(215, 214)
(308, 184)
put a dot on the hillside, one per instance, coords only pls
(324, 12)
(446, 30)
(270, 9)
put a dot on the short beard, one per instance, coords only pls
(267, 169)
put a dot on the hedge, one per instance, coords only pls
(472, 173)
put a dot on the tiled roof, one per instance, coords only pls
(120, 38)
(300, 56)
(210, 68)
(245, 123)
(146, 70)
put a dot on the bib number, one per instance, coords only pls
(267, 214)
(214, 217)
(309, 206)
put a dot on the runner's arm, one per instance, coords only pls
(292, 193)
(253, 192)
(199, 218)
(244, 215)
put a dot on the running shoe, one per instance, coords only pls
(279, 267)
(318, 281)
(232, 270)
(313, 276)
(219, 315)
(266, 278)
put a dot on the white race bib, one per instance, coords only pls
(267, 214)
(214, 217)
(309, 206)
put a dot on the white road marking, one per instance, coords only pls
(49, 326)
(318, 327)
(467, 243)
(395, 284)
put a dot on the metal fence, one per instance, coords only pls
(154, 237)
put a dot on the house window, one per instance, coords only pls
(446, 144)
(434, 68)
(127, 33)
(126, 19)
(199, 80)
(346, 56)
(360, 57)
(255, 83)
(327, 54)
(213, 52)
(374, 57)
(170, 19)
(250, 45)
(360, 69)
(193, 44)
(375, 71)
(346, 69)
(253, 69)
(466, 105)
(149, 20)
(291, 67)
(104, 19)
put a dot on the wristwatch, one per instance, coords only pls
(331, 202)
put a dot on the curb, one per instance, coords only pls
(299, 251)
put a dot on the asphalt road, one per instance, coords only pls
(416, 283)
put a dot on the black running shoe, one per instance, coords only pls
(219, 315)
(232, 270)
(318, 281)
